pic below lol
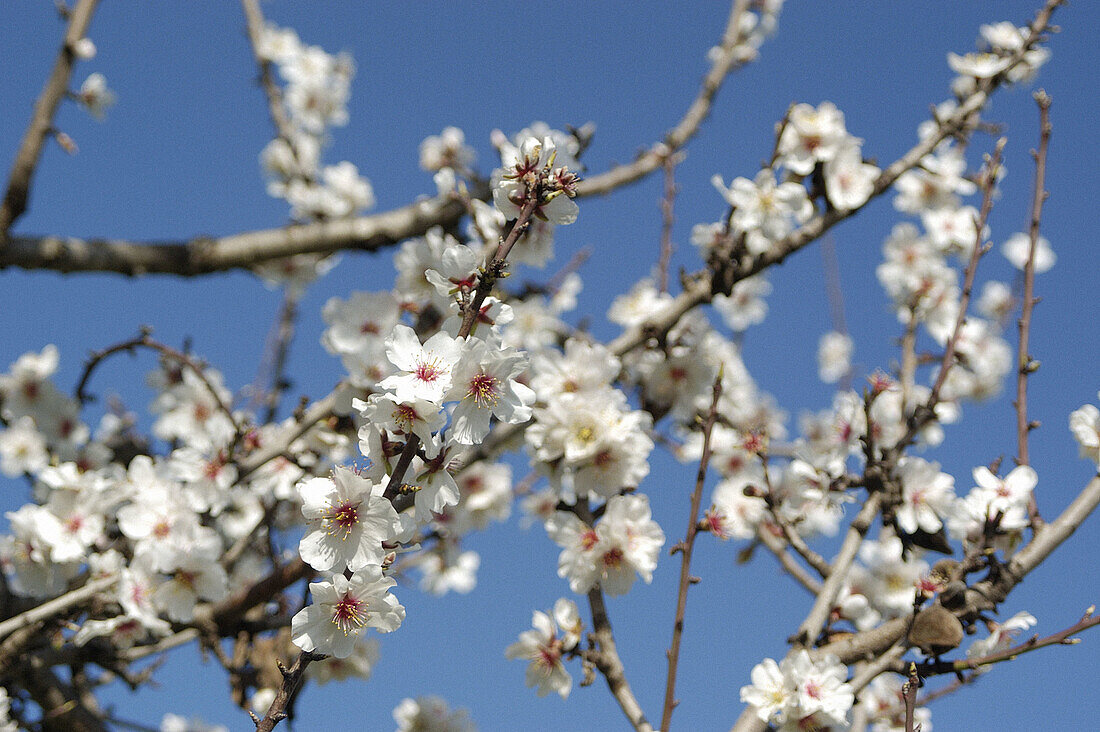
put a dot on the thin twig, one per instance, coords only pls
(1024, 363)
(292, 681)
(666, 205)
(686, 548)
(255, 19)
(927, 411)
(278, 352)
(909, 695)
(1061, 638)
(144, 340)
(790, 565)
(724, 63)
(30, 149)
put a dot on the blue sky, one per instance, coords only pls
(178, 156)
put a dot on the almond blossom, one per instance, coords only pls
(343, 608)
(347, 520)
(425, 369)
(544, 649)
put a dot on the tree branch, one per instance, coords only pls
(686, 547)
(611, 666)
(30, 149)
(1024, 364)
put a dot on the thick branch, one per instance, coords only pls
(203, 254)
(819, 614)
(611, 666)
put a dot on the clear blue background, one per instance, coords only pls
(177, 157)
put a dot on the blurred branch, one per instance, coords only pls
(725, 61)
(30, 149)
(203, 254)
(56, 606)
(611, 666)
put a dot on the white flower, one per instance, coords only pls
(446, 150)
(952, 229)
(1084, 423)
(426, 369)
(1007, 496)
(484, 385)
(430, 714)
(978, 65)
(734, 514)
(927, 495)
(625, 542)
(543, 648)
(415, 417)
(95, 95)
(849, 182)
(1018, 246)
(1001, 637)
(800, 693)
(448, 570)
(359, 324)
(771, 695)
(811, 135)
(342, 608)
(763, 206)
(22, 449)
(527, 166)
(834, 356)
(348, 519)
(996, 301)
(745, 304)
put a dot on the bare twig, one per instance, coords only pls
(909, 695)
(271, 385)
(292, 681)
(686, 548)
(144, 340)
(1024, 363)
(254, 17)
(1061, 638)
(777, 546)
(30, 149)
(667, 202)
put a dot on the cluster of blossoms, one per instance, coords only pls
(800, 693)
(431, 395)
(315, 98)
(1006, 51)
